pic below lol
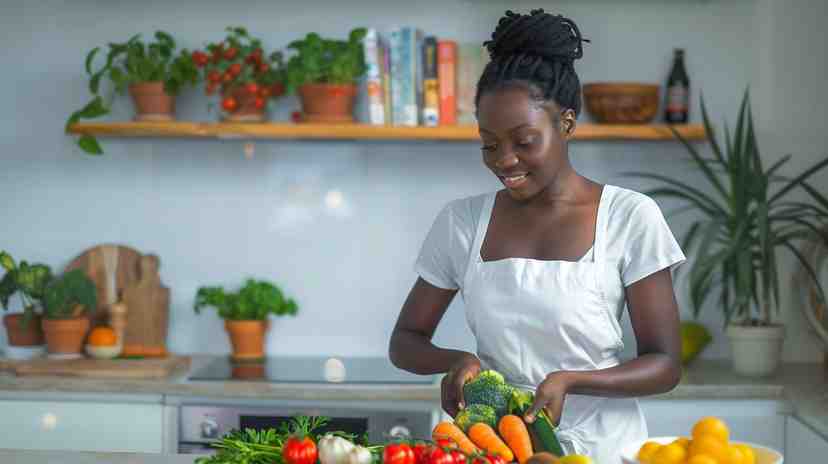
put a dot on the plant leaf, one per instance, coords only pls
(89, 144)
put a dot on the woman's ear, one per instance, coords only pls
(568, 122)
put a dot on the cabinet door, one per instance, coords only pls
(81, 426)
(756, 421)
(803, 445)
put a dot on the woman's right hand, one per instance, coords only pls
(452, 385)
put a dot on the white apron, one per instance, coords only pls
(532, 317)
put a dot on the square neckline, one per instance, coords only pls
(483, 230)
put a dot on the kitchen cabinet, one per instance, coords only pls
(82, 426)
(756, 421)
(803, 445)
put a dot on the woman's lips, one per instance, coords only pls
(514, 181)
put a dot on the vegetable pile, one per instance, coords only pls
(489, 431)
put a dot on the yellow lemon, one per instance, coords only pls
(748, 456)
(712, 426)
(670, 454)
(647, 451)
(708, 445)
(733, 456)
(702, 459)
(575, 459)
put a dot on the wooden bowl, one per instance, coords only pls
(621, 102)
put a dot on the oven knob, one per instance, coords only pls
(209, 428)
(400, 431)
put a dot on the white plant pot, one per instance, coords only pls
(756, 351)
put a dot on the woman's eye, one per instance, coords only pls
(489, 147)
(525, 143)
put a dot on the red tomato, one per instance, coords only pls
(231, 53)
(264, 92)
(398, 453)
(496, 459)
(214, 76)
(259, 103)
(421, 451)
(460, 457)
(218, 51)
(252, 88)
(446, 443)
(439, 456)
(234, 69)
(200, 58)
(480, 461)
(227, 76)
(299, 450)
(229, 104)
(263, 67)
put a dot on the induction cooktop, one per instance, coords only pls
(322, 369)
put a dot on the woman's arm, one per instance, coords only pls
(411, 348)
(657, 369)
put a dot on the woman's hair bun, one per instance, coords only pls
(552, 37)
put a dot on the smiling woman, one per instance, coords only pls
(547, 265)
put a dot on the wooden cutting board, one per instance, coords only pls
(148, 368)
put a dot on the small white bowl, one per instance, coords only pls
(103, 352)
(764, 455)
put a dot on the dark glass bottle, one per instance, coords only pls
(677, 101)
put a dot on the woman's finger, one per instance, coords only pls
(448, 396)
(538, 403)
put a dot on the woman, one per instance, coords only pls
(547, 264)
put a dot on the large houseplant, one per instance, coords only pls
(245, 313)
(325, 73)
(244, 74)
(151, 72)
(29, 282)
(747, 215)
(65, 303)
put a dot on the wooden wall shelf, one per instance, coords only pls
(182, 129)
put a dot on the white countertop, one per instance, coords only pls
(83, 457)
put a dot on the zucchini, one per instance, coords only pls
(542, 427)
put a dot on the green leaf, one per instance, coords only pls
(711, 177)
(798, 180)
(89, 58)
(89, 144)
(6, 261)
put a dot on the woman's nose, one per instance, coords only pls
(506, 161)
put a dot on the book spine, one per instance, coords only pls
(447, 76)
(471, 60)
(403, 88)
(431, 88)
(373, 78)
(386, 77)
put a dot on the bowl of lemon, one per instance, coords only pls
(709, 443)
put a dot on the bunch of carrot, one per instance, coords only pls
(510, 441)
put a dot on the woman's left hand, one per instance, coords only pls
(550, 395)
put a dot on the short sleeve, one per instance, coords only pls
(444, 254)
(650, 245)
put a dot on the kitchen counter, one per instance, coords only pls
(804, 386)
(82, 457)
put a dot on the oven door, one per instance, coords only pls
(202, 424)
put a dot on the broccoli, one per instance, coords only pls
(491, 389)
(475, 413)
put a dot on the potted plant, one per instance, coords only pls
(65, 303)
(324, 72)
(151, 72)
(245, 313)
(29, 282)
(747, 216)
(245, 77)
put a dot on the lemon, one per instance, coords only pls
(694, 338)
(575, 459)
(647, 450)
(748, 456)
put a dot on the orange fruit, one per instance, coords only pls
(709, 446)
(712, 426)
(673, 453)
(748, 456)
(684, 442)
(733, 456)
(702, 459)
(645, 454)
(103, 336)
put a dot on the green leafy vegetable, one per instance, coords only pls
(320, 60)
(68, 296)
(254, 301)
(489, 388)
(475, 413)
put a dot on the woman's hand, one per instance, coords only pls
(452, 385)
(550, 396)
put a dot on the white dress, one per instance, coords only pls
(531, 317)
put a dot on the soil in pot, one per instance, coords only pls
(152, 103)
(65, 336)
(247, 338)
(327, 103)
(18, 335)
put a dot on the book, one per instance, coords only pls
(404, 57)
(471, 60)
(447, 76)
(431, 89)
(386, 78)
(373, 78)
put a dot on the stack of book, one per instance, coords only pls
(417, 80)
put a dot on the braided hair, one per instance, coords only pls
(536, 51)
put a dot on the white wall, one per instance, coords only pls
(214, 217)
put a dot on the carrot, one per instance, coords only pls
(516, 435)
(484, 436)
(448, 430)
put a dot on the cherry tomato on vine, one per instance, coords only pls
(252, 88)
(234, 69)
(229, 104)
(231, 53)
(300, 451)
(259, 103)
(398, 453)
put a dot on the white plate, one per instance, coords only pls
(764, 455)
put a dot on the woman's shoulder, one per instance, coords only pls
(468, 209)
(629, 208)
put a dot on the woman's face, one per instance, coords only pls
(522, 144)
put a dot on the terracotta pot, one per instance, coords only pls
(247, 338)
(248, 370)
(31, 335)
(246, 111)
(330, 103)
(65, 336)
(152, 103)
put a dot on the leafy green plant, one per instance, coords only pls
(746, 219)
(29, 281)
(69, 296)
(133, 62)
(320, 60)
(254, 301)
